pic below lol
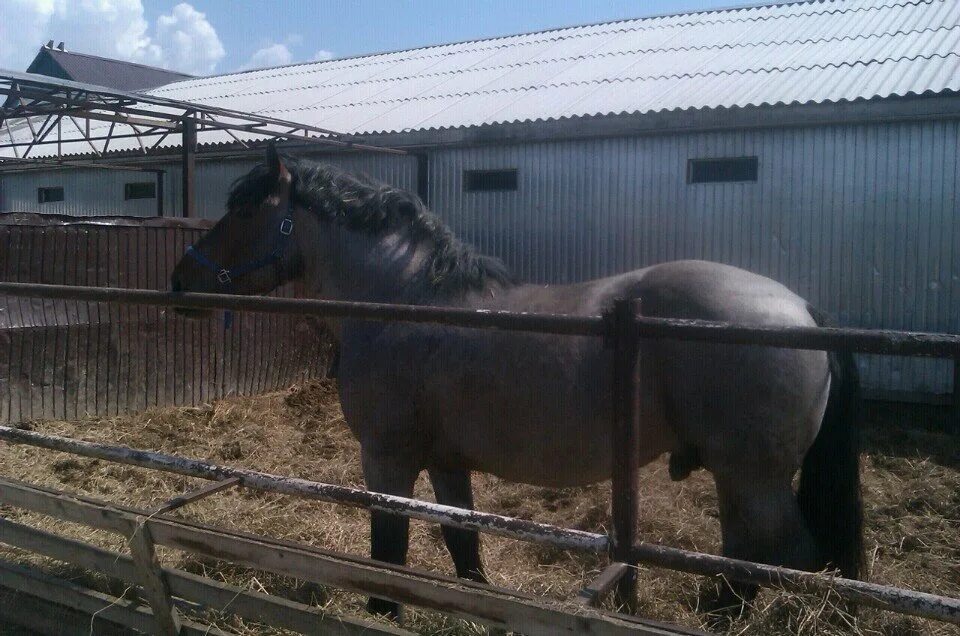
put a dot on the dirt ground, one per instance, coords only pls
(911, 468)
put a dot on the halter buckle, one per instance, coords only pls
(286, 226)
(224, 276)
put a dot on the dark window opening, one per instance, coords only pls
(139, 190)
(489, 180)
(722, 170)
(49, 195)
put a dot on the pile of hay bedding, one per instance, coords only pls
(912, 494)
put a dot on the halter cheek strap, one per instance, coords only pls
(226, 275)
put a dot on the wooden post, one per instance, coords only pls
(152, 578)
(188, 164)
(626, 443)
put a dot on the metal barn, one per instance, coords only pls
(813, 142)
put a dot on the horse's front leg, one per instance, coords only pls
(389, 472)
(452, 488)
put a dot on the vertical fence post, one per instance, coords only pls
(626, 442)
(152, 579)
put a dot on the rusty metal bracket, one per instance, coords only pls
(595, 591)
(195, 495)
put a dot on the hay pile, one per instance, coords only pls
(912, 492)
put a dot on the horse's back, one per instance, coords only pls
(713, 291)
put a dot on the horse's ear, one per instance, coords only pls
(275, 163)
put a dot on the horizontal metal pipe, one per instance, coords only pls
(448, 515)
(451, 316)
(886, 597)
(901, 343)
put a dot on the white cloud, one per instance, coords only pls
(271, 55)
(322, 55)
(188, 41)
(182, 40)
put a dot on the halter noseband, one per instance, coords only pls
(226, 275)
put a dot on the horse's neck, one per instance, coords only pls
(361, 267)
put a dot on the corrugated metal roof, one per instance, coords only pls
(103, 71)
(809, 52)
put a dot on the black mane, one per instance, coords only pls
(365, 205)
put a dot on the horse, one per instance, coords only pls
(536, 408)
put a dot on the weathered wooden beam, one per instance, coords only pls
(151, 577)
(63, 593)
(196, 495)
(455, 597)
(592, 595)
(457, 517)
(264, 608)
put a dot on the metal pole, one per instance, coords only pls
(188, 165)
(626, 444)
(159, 192)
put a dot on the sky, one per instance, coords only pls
(204, 37)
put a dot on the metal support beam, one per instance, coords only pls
(626, 444)
(423, 177)
(956, 394)
(592, 595)
(160, 176)
(188, 165)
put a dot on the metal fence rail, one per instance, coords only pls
(623, 330)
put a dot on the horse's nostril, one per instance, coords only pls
(175, 284)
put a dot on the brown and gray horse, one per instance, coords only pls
(537, 408)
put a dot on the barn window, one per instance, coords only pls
(489, 180)
(726, 170)
(49, 195)
(139, 190)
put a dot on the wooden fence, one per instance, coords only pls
(68, 359)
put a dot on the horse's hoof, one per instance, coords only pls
(386, 609)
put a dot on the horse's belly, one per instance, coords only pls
(547, 439)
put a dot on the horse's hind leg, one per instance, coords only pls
(389, 473)
(761, 521)
(452, 488)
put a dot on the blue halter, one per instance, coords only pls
(226, 275)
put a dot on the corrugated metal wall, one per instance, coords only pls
(862, 220)
(100, 192)
(86, 192)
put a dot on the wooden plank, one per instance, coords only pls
(522, 529)
(592, 595)
(151, 577)
(463, 599)
(66, 594)
(194, 495)
(272, 610)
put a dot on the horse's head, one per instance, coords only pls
(251, 249)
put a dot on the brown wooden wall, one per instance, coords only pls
(65, 359)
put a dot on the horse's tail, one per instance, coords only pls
(829, 492)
